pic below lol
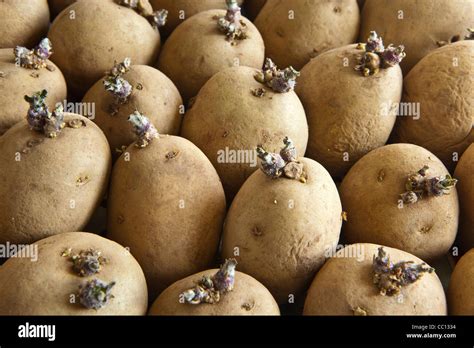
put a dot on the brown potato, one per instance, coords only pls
(197, 50)
(18, 82)
(169, 195)
(153, 95)
(348, 114)
(441, 84)
(48, 285)
(279, 229)
(464, 173)
(296, 31)
(180, 10)
(51, 185)
(370, 194)
(240, 121)
(249, 297)
(345, 286)
(100, 32)
(24, 22)
(418, 25)
(460, 300)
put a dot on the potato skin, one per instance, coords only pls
(44, 287)
(345, 283)
(189, 56)
(42, 193)
(190, 8)
(344, 110)
(158, 99)
(444, 93)
(24, 23)
(460, 300)
(465, 187)
(18, 82)
(317, 26)
(247, 293)
(87, 46)
(226, 114)
(370, 192)
(424, 23)
(145, 197)
(283, 244)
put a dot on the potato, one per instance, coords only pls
(180, 10)
(169, 195)
(460, 301)
(249, 297)
(56, 6)
(51, 185)
(227, 117)
(345, 286)
(419, 25)
(370, 194)
(100, 32)
(47, 285)
(253, 8)
(197, 50)
(464, 173)
(23, 23)
(279, 229)
(153, 94)
(296, 31)
(348, 114)
(18, 82)
(441, 85)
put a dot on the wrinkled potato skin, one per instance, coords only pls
(37, 189)
(84, 57)
(188, 57)
(25, 22)
(344, 283)
(45, 286)
(168, 211)
(370, 192)
(253, 8)
(424, 23)
(344, 110)
(158, 99)
(465, 187)
(460, 298)
(19, 82)
(444, 93)
(283, 244)
(190, 8)
(247, 292)
(242, 121)
(317, 27)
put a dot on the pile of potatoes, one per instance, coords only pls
(224, 157)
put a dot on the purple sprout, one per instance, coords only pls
(374, 43)
(393, 55)
(116, 84)
(143, 128)
(224, 279)
(40, 118)
(280, 81)
(288, 153)
(95, 293)
(271, 164)
(35, 58)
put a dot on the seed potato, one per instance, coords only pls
(279, 229)
(153, 94)
(225, 115)
(348, 114)
(23, 22)
(441, 83)
(46, 286)
(345, 286)
(98, 34)
(166, 203)
(249, 297)
(460, 299)
(189, 56)
(420, 25)
(370, 194)
(51, 185)
(296, 31)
